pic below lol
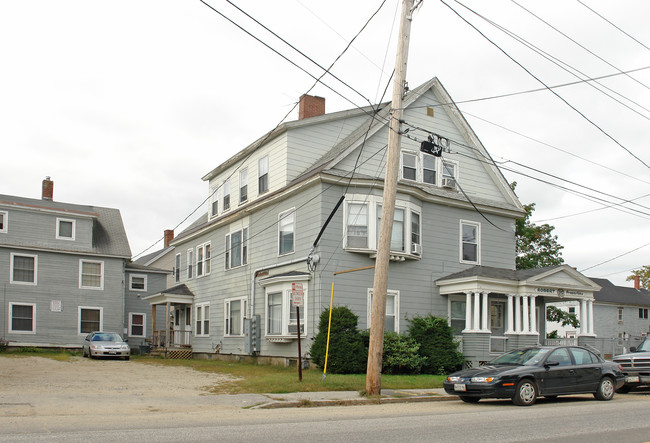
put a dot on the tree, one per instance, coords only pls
(536, 246)
(557, 315)
(437, 345)
(644, 276)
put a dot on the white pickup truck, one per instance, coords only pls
(636, 366)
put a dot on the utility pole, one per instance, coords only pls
(380, 285)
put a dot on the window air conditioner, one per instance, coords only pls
(448, 182)
(416, 249)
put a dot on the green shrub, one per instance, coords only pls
(347, 354)
(437, 345)
(400, 355)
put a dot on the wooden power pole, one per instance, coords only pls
(380, 285)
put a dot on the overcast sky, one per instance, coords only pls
(127, 104)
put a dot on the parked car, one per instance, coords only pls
(548, 371)
(636, 366)
(105, 344)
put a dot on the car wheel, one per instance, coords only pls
(525, 394)
(605, 389)
(467, 399)
(127, 357)
(83, 353)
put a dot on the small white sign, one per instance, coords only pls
(297, 298)
(56, 306)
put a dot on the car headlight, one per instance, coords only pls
(452, 379)
(125, 347)
(482, 379)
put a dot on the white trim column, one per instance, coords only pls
(510, 314)
(484, 320)
(584, 316)
(477, 312)
(524, 306)
(518, 314)
(533, 314)
(468, 312)
(590, 304)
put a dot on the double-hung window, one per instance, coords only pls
(243, 186)
(448, 169)
(357, 225)
(286, 229)
(425, 168)
(91, 274)
(137, 324)
(138, 282)
(470, 242)
(190, 263)
(263, 175)
(237, 248)
(397, 236)
(281, 317)
(202, 318)
(226, 195)
(90, 319)
(24, 269)
(457, 316)
(235, 311)
(392, 310)
(177, 268)
(4, 221)
(643, 313)
(409, 165)
(429, 169)
(22, 318)
(203, 259)
(65, 229)
(620, 315)
(214, 205)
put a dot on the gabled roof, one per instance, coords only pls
(134, 267)
(622, 295)
(146, 260)
(109, 236)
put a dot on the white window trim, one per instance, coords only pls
(214, 198)
(392, 292)
(244, 248)
(226, 316)
(177, 268)
(204, 261)
(241, 173)
(281, 216)
(283, 285)
(419, 168)
(478, 242)
(259, 174)
(201, 318)
(58, 228)
(11, 270)
(101, 279)
(418, 165)
(226, 193)
(190, 264)
(372, 203)
(95, 308)
(143, 276)
(5, 222)
(11, 309)
(144, 324)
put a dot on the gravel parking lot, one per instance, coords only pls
(42, 386)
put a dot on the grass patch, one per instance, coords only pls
(253, 378)
(54, 354)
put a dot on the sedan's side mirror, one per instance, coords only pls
(551, 363)
(633, 349)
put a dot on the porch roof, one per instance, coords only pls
(553, 281)
(180, 294)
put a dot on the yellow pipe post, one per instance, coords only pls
(329, 327)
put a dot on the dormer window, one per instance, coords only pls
(65, 229)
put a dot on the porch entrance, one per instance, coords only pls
(498, 326)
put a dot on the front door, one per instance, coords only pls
(497, 326)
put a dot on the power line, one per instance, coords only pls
(614, 258)
(544, 84)
(601, 16)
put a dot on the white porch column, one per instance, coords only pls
(477, 311)
(533, 314)
(590, 304)
(468, 311)
(584, 315)
(517, 314)
(510, 316)
(524, 305)
(484, 320)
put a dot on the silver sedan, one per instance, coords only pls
(105, 344)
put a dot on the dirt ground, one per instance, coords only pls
(42, 386)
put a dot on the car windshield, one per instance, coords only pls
(107, 337)
(644, 347)
(519, 357)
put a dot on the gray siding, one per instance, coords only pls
(607, 325)
(134, 303)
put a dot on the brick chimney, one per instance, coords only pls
(310, 106)
(48, 189)
(169, 236)
(637, 282)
